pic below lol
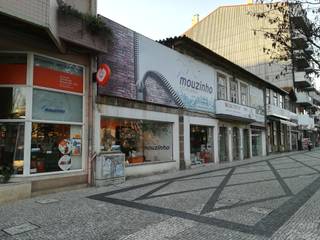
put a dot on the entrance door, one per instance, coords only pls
(294, 141)
(235, 144)
(223, 144)
(256, 143)
(246, 144)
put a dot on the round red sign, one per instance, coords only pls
(103, 74)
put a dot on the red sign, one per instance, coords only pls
(13, 73)
(103, 74)
(50, 78)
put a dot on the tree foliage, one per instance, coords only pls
(286, 20)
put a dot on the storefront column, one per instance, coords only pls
(290, 139)
(250, 143)
(241, 144)
(230, 146)
(216, 144)
(264, 143)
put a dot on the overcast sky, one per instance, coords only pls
(159, 19)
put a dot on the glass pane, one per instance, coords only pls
(56, 106)
(12, 146)
(55, 147)
(141, 141)
(201, 144)
(55, 74)
(13, 102)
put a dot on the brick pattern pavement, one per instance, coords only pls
(276, 198)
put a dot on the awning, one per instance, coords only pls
(288, 123)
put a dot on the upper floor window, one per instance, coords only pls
(267, 96)
(275, 99)
(244, 93)
(222, 87)
(233, 91)
(281, 101)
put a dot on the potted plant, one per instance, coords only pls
(5, 174)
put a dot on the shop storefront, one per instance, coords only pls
(42, 114)
(200, 140)
(256, 136)
(223, 144)
(149, 140)
(201, 144)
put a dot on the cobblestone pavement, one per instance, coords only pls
(276, 197)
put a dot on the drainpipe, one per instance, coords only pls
(91, 102)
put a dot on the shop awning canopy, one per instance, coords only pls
(289, 123)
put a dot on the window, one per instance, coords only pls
(13, 102)
(55, 147)
(222, 87)
(55, 106)
(12, 146)
(281, 101)
(244, 93)
(141, 141)
(275, 99)
(233, 91)
(267, 96)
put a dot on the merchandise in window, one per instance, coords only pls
(12, 146)
(13, 102)
(55, 147)
(222, 87)
(201, 144)
(141, 141)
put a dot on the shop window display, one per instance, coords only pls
(12, 146)
(141, 141)
(201, 144)
(55, 147)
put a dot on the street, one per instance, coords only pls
(275, 197)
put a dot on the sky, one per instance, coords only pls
(159, 19)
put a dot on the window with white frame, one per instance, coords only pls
(222, 87)
(233, 91)
(281, 101)
(244, 93)
(52, 126)
(275, 99)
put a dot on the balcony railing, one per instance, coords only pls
(299, 17)
(304, 99)
(301, 59)
(236, 111)
(280, 112)
(301, 80)
(305, 121)
(299, 40)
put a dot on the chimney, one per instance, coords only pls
(195, 19)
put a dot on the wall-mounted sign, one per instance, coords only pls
(103, 74)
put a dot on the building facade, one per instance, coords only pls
(45, 86)
(234, 33)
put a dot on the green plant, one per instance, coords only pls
(5, 174)
(93, 23)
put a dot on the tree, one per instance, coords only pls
(283, 25)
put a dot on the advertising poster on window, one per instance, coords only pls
(257, 102)
(58, 75)
(158, 142)
(148, 71)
